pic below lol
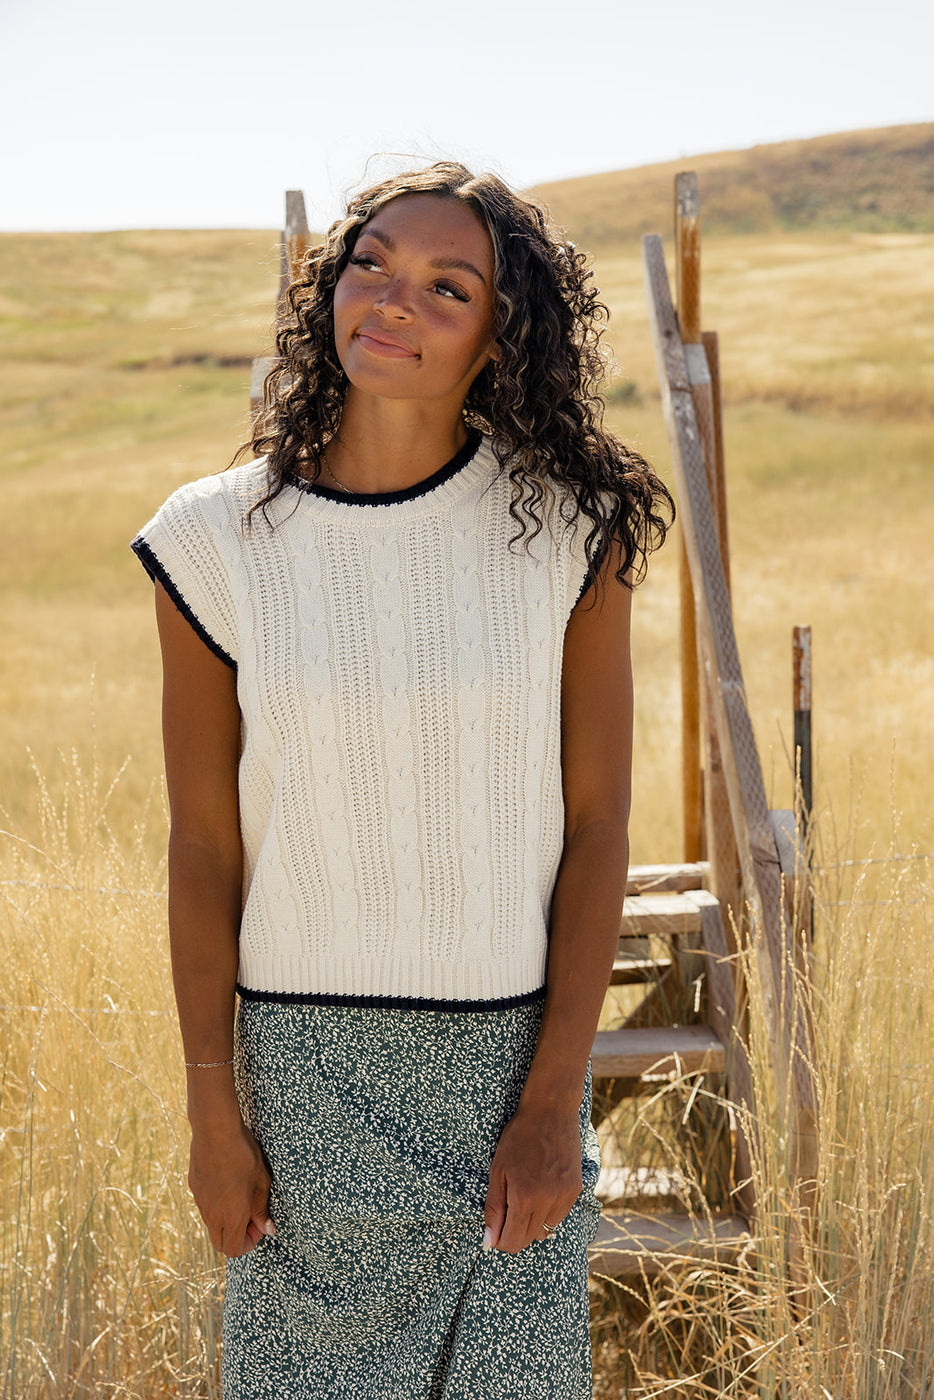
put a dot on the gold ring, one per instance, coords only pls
(549, 1229)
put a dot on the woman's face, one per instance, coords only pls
(413, 309)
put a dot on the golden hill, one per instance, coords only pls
(868, 181)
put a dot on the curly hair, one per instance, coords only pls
(539, 401)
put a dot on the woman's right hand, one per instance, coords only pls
(230, 1181)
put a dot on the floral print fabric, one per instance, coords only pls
(379, 1126)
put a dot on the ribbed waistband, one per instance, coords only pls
(356, 980)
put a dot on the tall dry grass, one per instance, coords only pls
(109, 1288)
(123, 375)
(834, 1305)
(107, 1284)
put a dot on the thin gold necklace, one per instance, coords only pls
(346, 489)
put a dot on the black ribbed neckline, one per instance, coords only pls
(387, 498)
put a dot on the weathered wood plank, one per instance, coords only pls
(657, 1050)
(788, 1032)
(646, 879)
(692, 798)
(704, 557)
(285, 278)
(719, 842)
(687, 283)
(667, 913)
(711, 342)
(618, 1183)
(296, 230)
(633, 972)
(725, 1023)
(630, 1244)
(293, 246)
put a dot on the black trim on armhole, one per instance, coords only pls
(593, 571)
(157, 571)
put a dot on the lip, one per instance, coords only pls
(379, 342)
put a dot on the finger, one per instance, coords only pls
(518, 1231)
(263, 1226)
(234, 1238)
(494, 1210)
(260, 1216)
(559, 1209)
(548, 1224)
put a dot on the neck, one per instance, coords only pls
(389, 445)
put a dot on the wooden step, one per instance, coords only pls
(631, 972)
(619, 1184)
(646, 1244)
(633, 1052)
(666, 913)
(645, 879)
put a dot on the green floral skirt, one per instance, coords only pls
(379, 1127)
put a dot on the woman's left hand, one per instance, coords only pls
(535, 1177)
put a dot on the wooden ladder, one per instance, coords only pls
(739, 906)
(672, 928)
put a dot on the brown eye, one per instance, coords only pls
(451, 289)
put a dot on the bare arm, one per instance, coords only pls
(201, 735)
(536, 1172)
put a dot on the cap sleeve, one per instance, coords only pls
(192, 547)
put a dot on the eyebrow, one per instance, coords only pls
(443, 264)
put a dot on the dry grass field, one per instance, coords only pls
(125, 372)
(876, 181)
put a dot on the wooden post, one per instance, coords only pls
(718, 493)
(285, 276)
(295, 234)
(804, 775)
(687, 275)
(687, 267)
(801, 665)
(293, 245)
(263, 366)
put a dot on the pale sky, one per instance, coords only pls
(200, 113)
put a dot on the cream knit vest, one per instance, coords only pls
(399, 676)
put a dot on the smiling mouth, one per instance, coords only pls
(380, 344)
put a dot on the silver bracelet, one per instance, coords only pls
(206, 1064)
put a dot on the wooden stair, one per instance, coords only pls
(657, 1052)
(669, 922)
(674, 932)
(647, 1245)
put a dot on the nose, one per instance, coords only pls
(395, 299)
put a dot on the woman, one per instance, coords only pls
(397, 723)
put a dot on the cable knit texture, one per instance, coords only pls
(399, 674)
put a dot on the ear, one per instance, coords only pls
(494, 352)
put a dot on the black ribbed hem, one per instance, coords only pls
(388, 498)
(157, 571)
(388, 1003)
